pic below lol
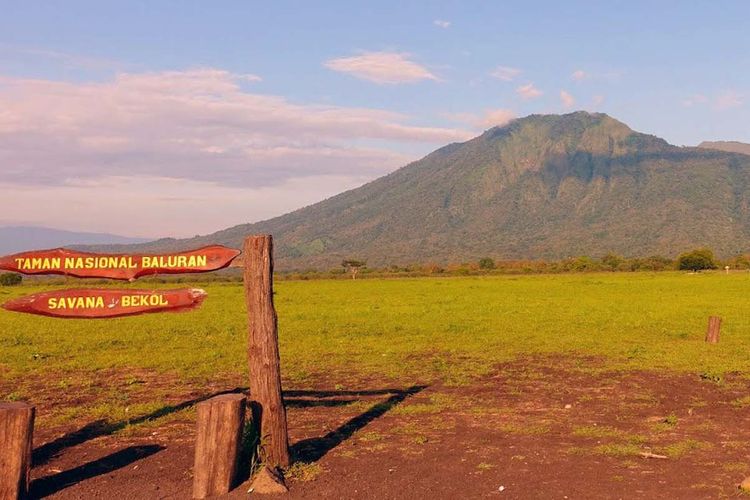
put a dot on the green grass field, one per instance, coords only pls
(405, 330)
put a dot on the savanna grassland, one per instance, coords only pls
(480, 374)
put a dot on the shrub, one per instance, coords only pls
(740, 262)
(486, 263)
(612, 261)
(583, 263)
(10, 279)
(700, 258)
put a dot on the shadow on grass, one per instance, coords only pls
(312, 450)
(49, 485)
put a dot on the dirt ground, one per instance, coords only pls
(535, 428)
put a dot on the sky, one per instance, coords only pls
(161, 118)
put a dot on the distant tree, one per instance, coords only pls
(612, 261)
(583, 263)
(10, 279)
(654, 263)
(353, 266)
(696, 260)
(486, 263)
(740, 262)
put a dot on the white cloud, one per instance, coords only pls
(528, 91)
(382, 67)
(198, 125)
(505, 73)
(728, 99)
(579, 75)
(567, 100)
(249, 78)
(597, 100)
(192, 127)
(440, 23)
(185, 152)
(495, 117)
(609, 76)
(723, 101)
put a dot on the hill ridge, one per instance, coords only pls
(542, 186)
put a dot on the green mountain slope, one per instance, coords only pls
(544, 186)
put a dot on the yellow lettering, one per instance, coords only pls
(52, 303)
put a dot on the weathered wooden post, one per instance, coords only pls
(217, 445)
(266, 402)
(16, 434)
(714, 327)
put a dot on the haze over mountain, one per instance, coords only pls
(543, 186)
(15, 239)
(729, 146)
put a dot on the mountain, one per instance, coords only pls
(543, 186)
(729, 146)
(21, 238)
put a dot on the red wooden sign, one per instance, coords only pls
(104, 303)
(118, 266)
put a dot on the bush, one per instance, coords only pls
(10, 279)
(486, 263)
(612, 261)
(583, 263)
(740, 262)
(698, 259)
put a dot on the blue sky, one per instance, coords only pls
(187, 117)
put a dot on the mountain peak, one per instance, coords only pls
(578, 141)
(575, 119)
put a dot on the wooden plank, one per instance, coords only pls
(106, 303)
(118, 266)
(16, 434)
(714, 328)
(267, 406)
(218, 441)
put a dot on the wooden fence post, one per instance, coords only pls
(16, 434)
(714, 326)
(266, 401)
(217, 444)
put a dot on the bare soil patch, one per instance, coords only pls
(545, 427)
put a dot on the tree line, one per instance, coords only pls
(696, 260)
